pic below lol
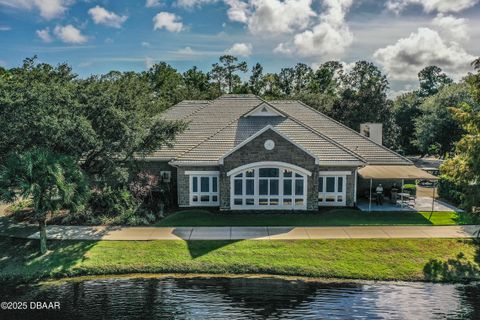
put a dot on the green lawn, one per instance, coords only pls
(383, 259)
(333, 217)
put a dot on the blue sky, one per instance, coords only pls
(400, 36)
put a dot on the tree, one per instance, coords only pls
(364, 99)
(51, 180)
(326, 79)
(432, 79)
(302, 77)
(167, 83)
(225, 71)
(286, 79)
(436, 130)
(464, 167)
(197, 85)
(256, 83)
(406, 109)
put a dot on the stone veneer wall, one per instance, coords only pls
(284, 151)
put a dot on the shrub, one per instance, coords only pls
(450, 191)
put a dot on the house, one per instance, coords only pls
(243, 153)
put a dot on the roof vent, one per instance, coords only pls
(373, 131)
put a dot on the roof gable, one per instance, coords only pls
(264, 109)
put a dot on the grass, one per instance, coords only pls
(333, 217)
(381, 259)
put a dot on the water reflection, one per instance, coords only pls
(246, 298)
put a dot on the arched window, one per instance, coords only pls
(268, 186)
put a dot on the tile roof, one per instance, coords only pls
(217, 126)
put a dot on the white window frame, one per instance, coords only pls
(322, 196)
(211, 175)
(256, 196)
(166, 176)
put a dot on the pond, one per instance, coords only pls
(244, 298)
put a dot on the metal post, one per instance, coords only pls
(433, 200)
(401, 196)
(370, 197)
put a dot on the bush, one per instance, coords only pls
(450, 191)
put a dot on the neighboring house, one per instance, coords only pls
(243, 153)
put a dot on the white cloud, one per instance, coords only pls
(48, 9)
(145, 44)
(328, 39)
(432, 5)
(70, 34)
(240, 49)
(454, 28)
(404, 59)
(169, 21)
(44, 35)
(237, 11)
(193, 3)
(186, 51)
(149, 62)
(275, 16)
(5, 28)
(153, 3)
(103, 16)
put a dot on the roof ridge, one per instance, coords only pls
(350, 129)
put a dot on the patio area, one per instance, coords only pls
(421, 204)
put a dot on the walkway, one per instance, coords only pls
(237, 233)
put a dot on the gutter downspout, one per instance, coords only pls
(370, 197)
(355, 189)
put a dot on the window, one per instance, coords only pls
(268, 188)
(331, 188)
(203, 188)
(165, 176)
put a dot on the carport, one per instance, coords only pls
(400, 172)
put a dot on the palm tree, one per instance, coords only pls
(51, 180)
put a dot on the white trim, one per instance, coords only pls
(271, 111)
(280, 197)
(199, 193)
(258, 133)
(193, 163)
(202, 173)
(335, 194)
(331, 163)
(355, 187)
(269, 164)
(335, 173)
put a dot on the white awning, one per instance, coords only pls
(395, 172)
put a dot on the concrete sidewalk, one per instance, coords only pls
(238, 233)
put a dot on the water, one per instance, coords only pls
(245, 298)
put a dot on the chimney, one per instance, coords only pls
(374, 131)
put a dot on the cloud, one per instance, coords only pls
(452, 27)
(48, 9)
(404, 59)
(44, 35)
(145, 44)
(193, 3)
(328, 39)
(149, 62)
(237, 11)
(70, 34)
(169, 21)
(432, 5)
(5, 28)
(240, 49)
(103, 16)
(153, 3)
(186, 51)
(275, 16)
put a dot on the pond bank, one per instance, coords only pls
(453, 260)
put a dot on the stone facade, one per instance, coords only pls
(284, 151)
